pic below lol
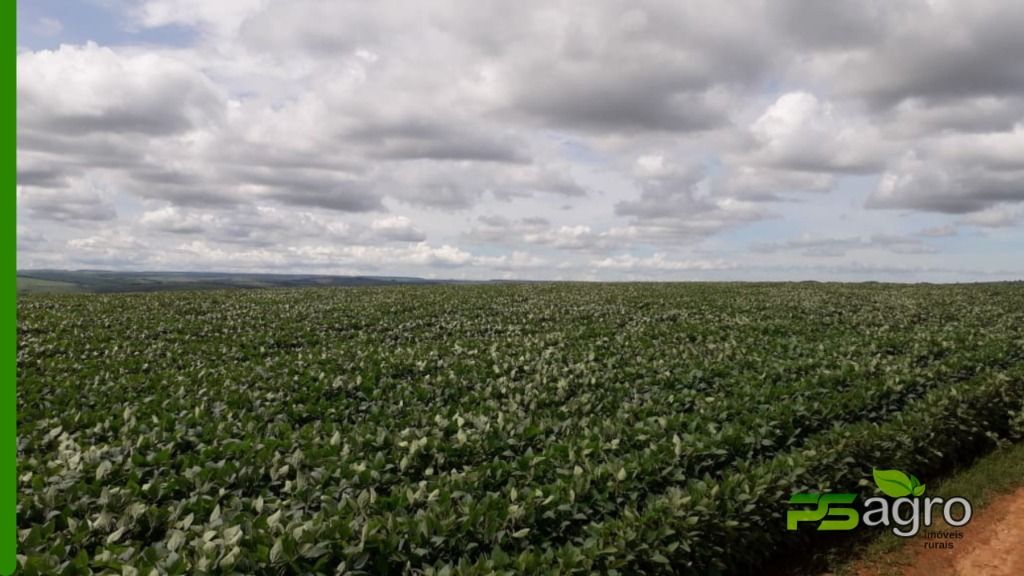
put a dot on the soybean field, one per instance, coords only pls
(481, 429)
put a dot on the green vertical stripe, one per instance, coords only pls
(9, 341)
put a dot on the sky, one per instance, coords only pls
(587, 140)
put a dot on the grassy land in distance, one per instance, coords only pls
(107, 281)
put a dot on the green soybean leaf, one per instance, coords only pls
(176, 540)
(276, 549)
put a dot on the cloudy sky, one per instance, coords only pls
(749, 139)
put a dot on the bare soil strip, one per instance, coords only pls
(992, 545)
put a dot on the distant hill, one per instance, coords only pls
(63, 281)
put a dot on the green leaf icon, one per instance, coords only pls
(893, 483)
(918, 488)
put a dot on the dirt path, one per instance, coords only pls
(992, 545)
